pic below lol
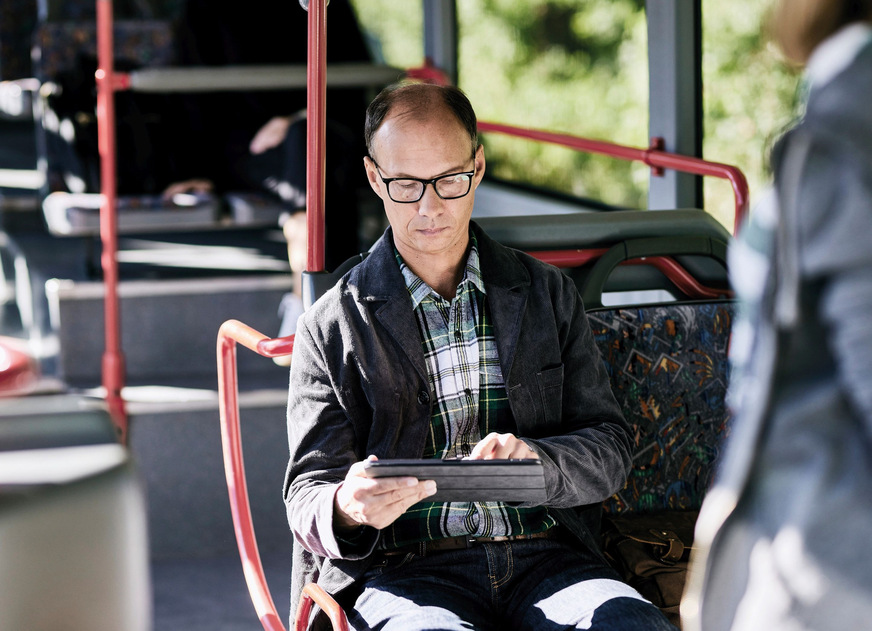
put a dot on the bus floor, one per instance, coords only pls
(210, 594)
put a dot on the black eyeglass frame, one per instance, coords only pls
(387, 182)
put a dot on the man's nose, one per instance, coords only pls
(430, 202)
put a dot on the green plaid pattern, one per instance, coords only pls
(466, 384)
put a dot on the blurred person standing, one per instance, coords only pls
(783, 536)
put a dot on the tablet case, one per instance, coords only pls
(470, 480)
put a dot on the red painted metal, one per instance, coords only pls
(314, 594)
(230, 334)
(568, 258)
(668, 266)
(19, 370)
(681, 277)
(653, 157)
(316, 117)
(113, 358)
(428, 73)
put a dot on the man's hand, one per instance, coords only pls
(376, 502)
(502, 446)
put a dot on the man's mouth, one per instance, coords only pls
(431, 231)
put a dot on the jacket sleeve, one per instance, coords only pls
(586, 450)
(322, 449)
(836, 213)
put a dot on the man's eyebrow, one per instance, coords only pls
(449, 171)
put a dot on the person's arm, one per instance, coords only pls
(847, 304)
(592, 455)
(273, 132)
(326, 494)
(584, 445)
(836, 217)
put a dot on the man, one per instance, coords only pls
(443, 343)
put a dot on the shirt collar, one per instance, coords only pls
(418, 289)
(836, 53)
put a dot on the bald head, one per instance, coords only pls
(420, 101)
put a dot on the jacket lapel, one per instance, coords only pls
(508, 286)
(507, 283)
(382, 286)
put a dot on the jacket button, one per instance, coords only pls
(423, 397)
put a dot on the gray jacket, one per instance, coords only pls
(359, 386)
(785, 531)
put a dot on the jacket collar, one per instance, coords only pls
(507, 283)
(380, 277)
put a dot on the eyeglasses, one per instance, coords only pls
(408, 190)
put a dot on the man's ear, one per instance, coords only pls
(479, 164)
(372, 175)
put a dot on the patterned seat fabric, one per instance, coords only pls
(147, 43)
(17, 21)
(669, 371)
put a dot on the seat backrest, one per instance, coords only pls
(73, 520)
(628, 234)
(17, 20)
(669, 370)
(65, 59)
(57, 45)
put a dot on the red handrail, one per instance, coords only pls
(313, 594)
(654, 157)
(669, 267)
(113, 358)
(231, 333)
(316, 129)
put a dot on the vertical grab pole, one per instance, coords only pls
(316, 118)
(113, 358)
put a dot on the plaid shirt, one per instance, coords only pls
(466, 384)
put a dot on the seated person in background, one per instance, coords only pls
(443, 343)
(256, 141)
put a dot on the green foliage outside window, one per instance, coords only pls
(580, 67)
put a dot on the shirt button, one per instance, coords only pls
(423, 397)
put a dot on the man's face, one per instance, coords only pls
(438, 145)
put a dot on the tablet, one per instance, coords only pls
(470, 480)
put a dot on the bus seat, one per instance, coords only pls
(679, 246)
(316, 283)
(72, 521)
(17, 19)
(19, 370)
(77, 214)
(669, 369)
(65, 60)
(150, 153)
(542, 235)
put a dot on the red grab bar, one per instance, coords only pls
(668, 266)
(113, 357)
(654, 157)
(231, 333)
(313, 594)
(316, 130)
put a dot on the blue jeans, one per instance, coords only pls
(536, 584)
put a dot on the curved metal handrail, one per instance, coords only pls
(666, 265)
(231, 333)
(654, 157)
